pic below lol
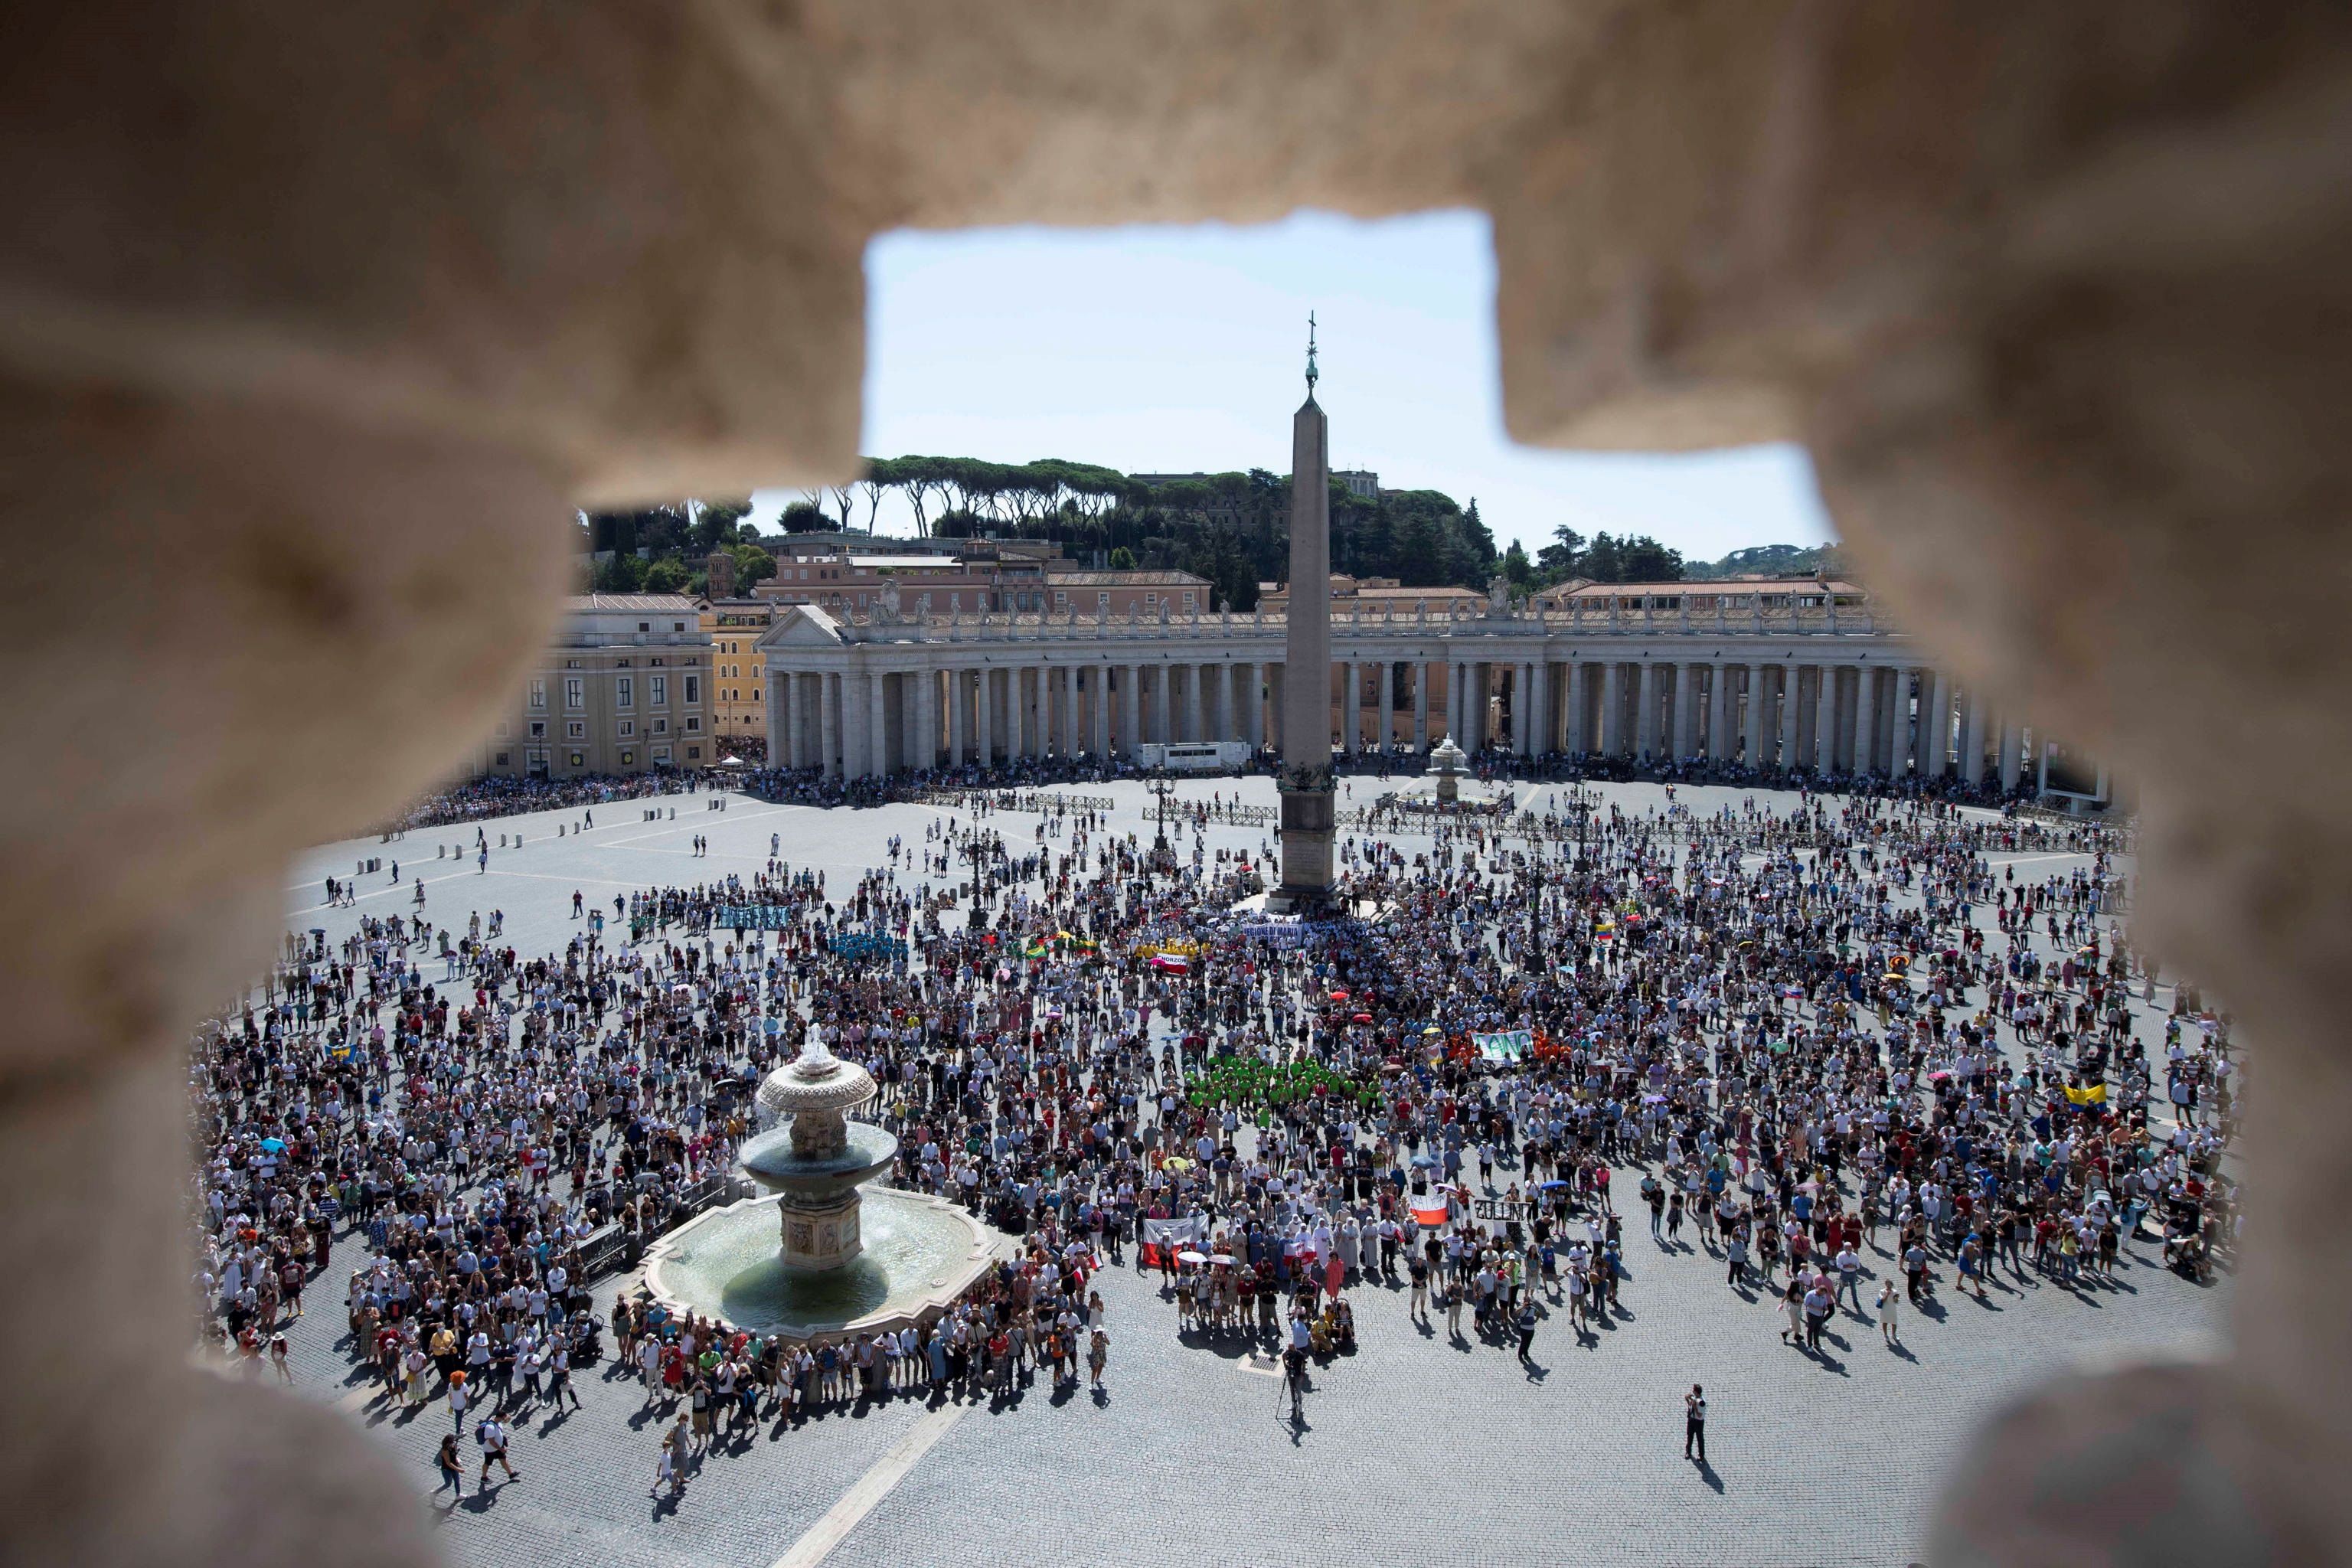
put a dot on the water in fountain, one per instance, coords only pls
(728, 1264)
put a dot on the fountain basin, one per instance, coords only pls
(772, 1161)
(918, 1254)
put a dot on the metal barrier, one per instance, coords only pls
(606, 1249)
(1029, 800)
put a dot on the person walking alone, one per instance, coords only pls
(453, 1469)
(1694, 1423)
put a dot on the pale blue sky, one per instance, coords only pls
(1174, 349)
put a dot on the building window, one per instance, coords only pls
(658, 664)
(575, 730)
(661, 726)
(693, 752)
(661, 753)
(623, 664)
(538, 691)
(571, 664)
(645, 626)
(574, 692)
(628, 728)
(693, 688)
(502, 758)
(755, 694)
(677, 625)
(1188, 599)
(538, 729)
(625, 692)
(660, 690)
(693, 724)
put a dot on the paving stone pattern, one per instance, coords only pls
(1420, 1448)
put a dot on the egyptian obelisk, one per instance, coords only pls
(1307, 815)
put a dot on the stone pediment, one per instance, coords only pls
(802, 626)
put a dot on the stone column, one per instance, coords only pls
(1645, 711)
(1972, 746)
(1456, 703)
(926, 717)
(877, 730)
(959, 718)
(1580, 702)
(1013, 718)
(1865, 721)
(1685, 744)
(857, 721)
(1756, 715)
(1723, 734)
(828, 710)
(782, 741)
(1386, 693)
(985, 725)
(1351, 707)
(1825, 721)
(2013, 741)
(1611, 715)
(1053, 710)
(1248, 682)
(1049, 711)
(1192, 731)
(1792, 715)
(1130, 708)
(1899, 745)
(1936, 725)
(1421, 668)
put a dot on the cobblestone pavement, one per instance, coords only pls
(1419, 1449)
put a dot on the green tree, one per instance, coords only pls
(1481, 542)
(621, 575)
(1122, 559)
(802, 517)
(714, 525)
(1420, 552)
(752, 564)
(1564, 557)
(667, 576)
(1517, 567)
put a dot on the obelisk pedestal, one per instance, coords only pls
(1309, 807)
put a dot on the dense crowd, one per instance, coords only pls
(1796, 1031)
(499, 795)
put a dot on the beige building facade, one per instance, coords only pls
(625, 687)
(738, 706)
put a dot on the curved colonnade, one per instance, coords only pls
(1801, 690)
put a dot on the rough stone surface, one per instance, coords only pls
(312, 306)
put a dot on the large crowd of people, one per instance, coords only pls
(1812, 1028)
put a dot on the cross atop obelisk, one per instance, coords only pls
(1307, 809)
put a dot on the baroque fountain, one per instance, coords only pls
(816, 1254)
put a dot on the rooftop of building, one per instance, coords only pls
(669, 604)
(1756, 585)
(1083, 577)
